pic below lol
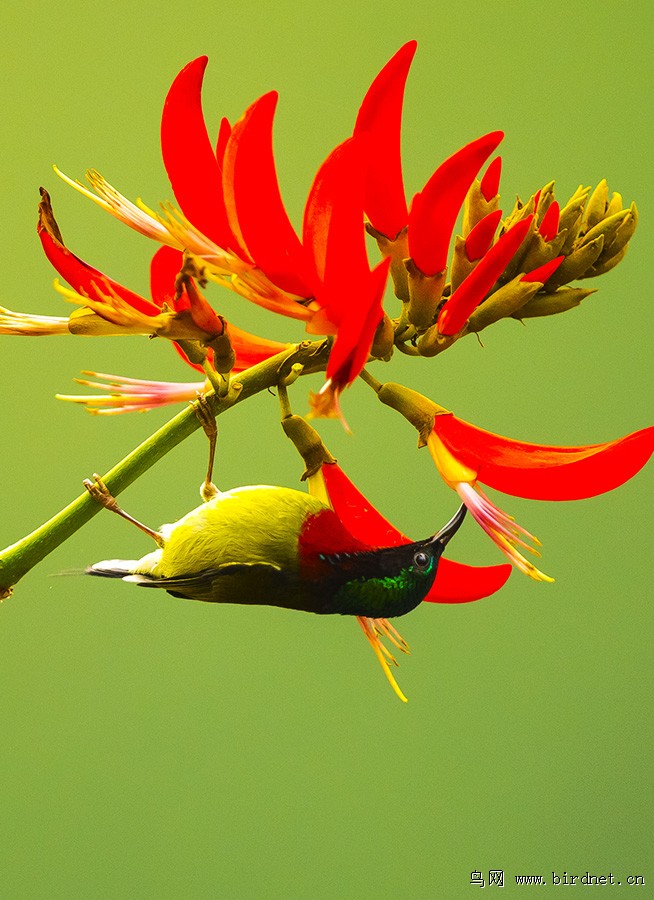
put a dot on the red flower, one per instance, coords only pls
(490, 182)
(120, 310)
(323, 278)
(380, 119)
(434, 209)
(466, 455)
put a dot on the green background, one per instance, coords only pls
(155, 748)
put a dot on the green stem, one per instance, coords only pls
(19, 558)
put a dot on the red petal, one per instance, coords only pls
(380, 117)
(357, 329)
(542, 273)
(333, 232)
(459, 583)
(253, 200)
(333, 215)
(221, 144)
(189, 159)
(490, 183)
(540, 472)
(474, 288)
(481, 236)
(251, 349)
(435, 209)
(549, 227)
(455, 582)
(85, 279)
(165, 266)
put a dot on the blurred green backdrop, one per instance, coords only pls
(155, 748)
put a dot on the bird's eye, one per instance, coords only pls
(421, 560)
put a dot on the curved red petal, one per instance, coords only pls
(380, 117)
(221, 144)
(459, 583)
(165, 266)
(549, 227)
(540, 472)
(435, 209)
(542, 273)
(188, 156)
(333, 232)
(85, 279)
(481, 236)
(253, 200)
(333, 214)
(474, 288)
(455, 582)
(251, 349)
(357, 329)
(490, 182)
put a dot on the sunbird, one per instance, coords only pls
(276, 546)
(279, 547)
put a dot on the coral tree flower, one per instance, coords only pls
(325, 275)
(235, 224)
(434, 210)
(455, 582)
(110, 308)
(418, 238)
(466, 455)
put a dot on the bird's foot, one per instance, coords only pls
(99, 491)
(208, 489)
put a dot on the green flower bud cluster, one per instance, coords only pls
(592, 232)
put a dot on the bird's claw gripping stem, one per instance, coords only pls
(208, 489)
(99, 491)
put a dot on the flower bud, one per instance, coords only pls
(382, 343)
(623, 234)
(540, 251)
(550, 304)
(577, 263)
(602, 266)
(308, 444)
(596, 208)
(223, 352)
(503, 303)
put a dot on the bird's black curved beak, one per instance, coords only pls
(448, 531)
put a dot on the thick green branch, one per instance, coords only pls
(19, 558)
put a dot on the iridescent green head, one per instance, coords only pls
(387, 582)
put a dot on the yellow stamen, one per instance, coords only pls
(378, 647)
(385, 628)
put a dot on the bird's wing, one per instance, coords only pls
(217, 584)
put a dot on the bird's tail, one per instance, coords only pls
(112, 568)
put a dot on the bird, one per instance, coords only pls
(277, 546)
